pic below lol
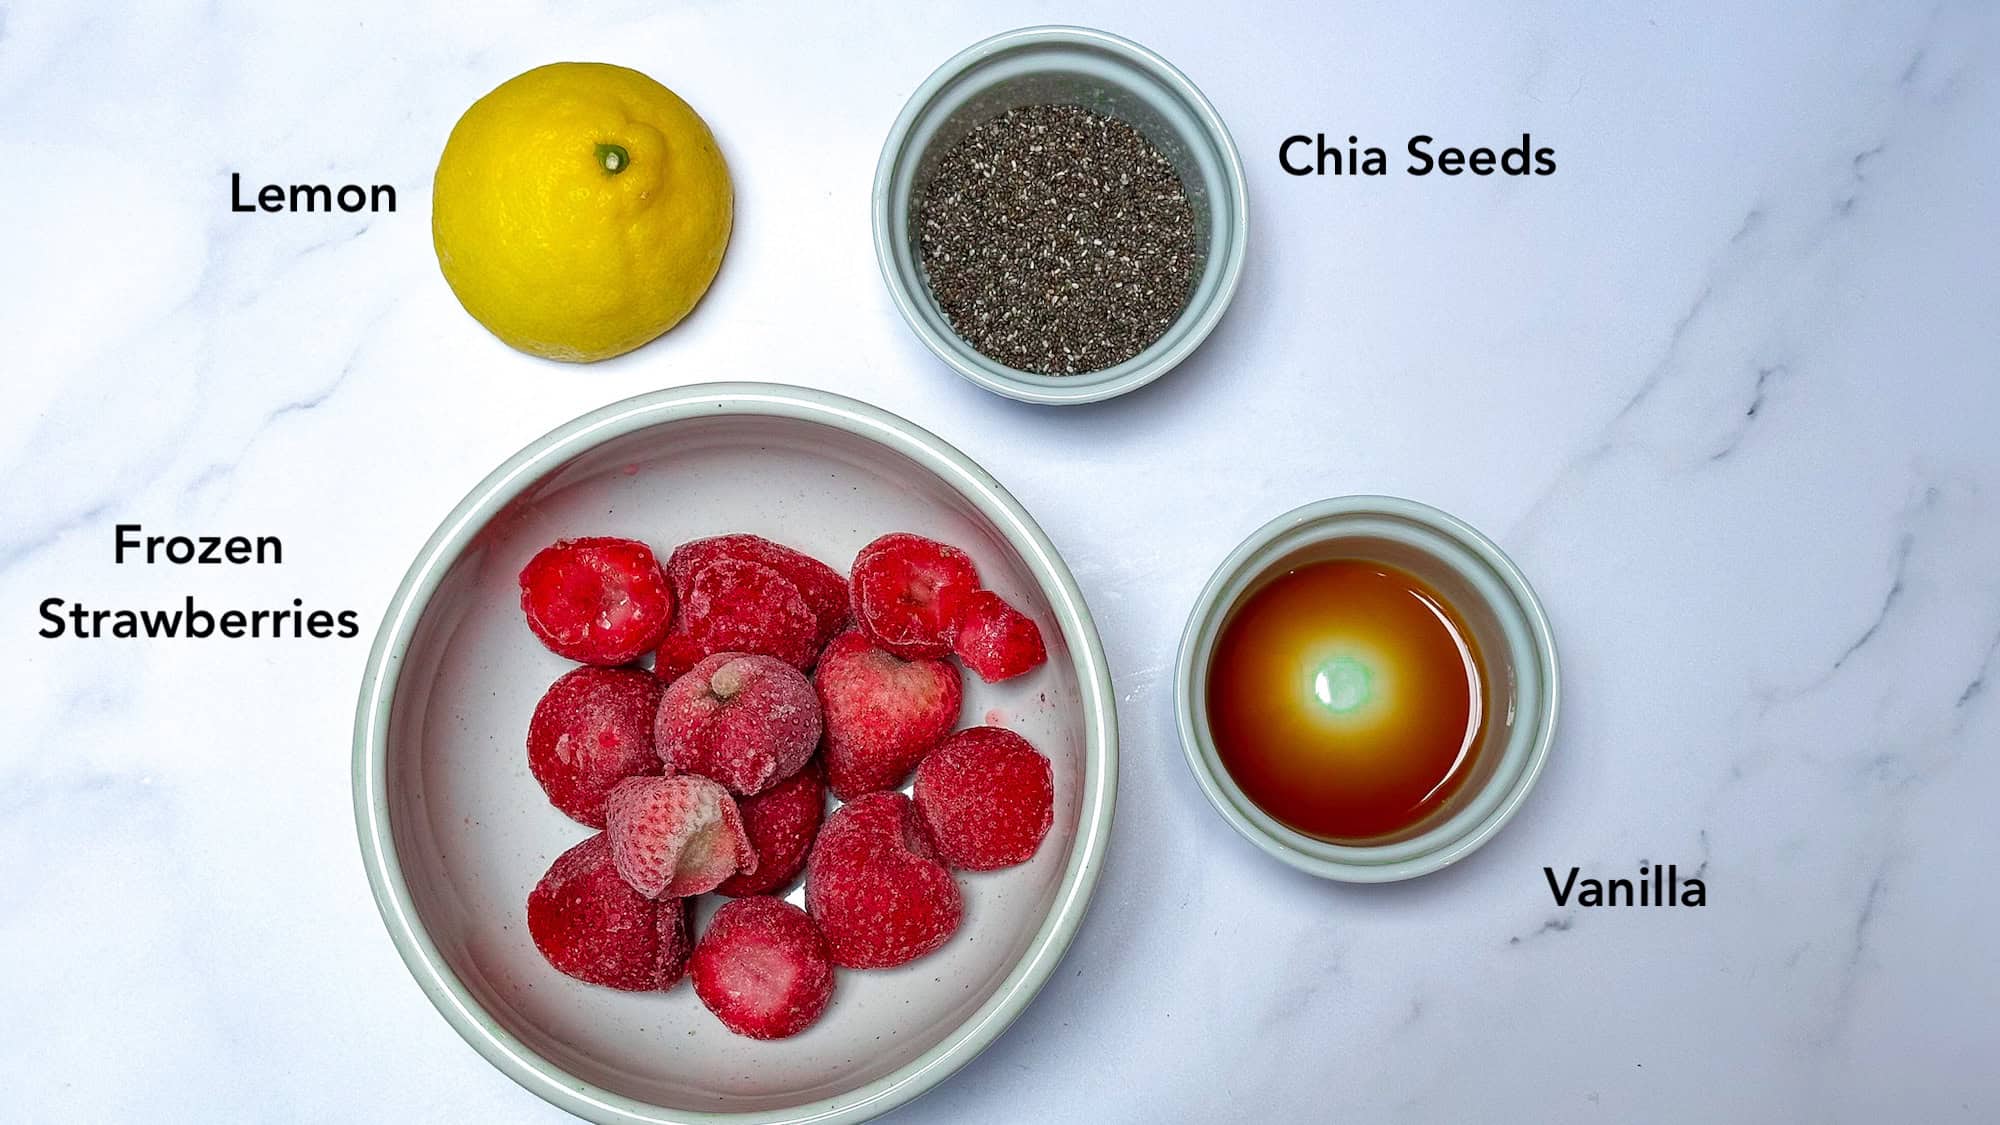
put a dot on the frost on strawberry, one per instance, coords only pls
(601, 601)
(904, 588)
(875, 885)
(763, 969)
(593, 729)
(744, 720)
(590, 924)
(676, 836)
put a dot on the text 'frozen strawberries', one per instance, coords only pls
(675, 836)
(988, 798)
(763, 969)
(875, 886)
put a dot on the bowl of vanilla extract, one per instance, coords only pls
(1367, 689)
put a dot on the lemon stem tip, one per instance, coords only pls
(614, 158)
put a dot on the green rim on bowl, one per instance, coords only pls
(1446, 551)
(1104, 72)
(547, 455)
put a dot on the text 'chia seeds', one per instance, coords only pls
(1058, 240)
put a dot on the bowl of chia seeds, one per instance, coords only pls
(1060, 215)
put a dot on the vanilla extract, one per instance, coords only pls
(1655, 886)
(1348, 699)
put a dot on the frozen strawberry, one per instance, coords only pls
(993, 638)
(762, 968)
(592, 730)
(822, 587)
(882, 713)
(903, 587)
(675, 836)
(676, 925)
(781, 823)
(679, 651)
(591, 925)
(746, 721)
(987, 797)
(875, 885)
(597, 601)
(737, 606)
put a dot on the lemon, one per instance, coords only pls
(580, 210)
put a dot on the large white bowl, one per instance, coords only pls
(455, 831)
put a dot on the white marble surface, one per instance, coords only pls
(1725, 386)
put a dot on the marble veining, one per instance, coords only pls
(1725, 386)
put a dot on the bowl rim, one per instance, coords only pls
(547, 454)
(1027, 386)
(1317, 857)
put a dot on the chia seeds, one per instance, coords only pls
(1057, 240)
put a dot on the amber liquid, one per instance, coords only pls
(1346, 699)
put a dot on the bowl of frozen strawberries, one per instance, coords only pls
(734, 753)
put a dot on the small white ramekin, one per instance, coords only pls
(1106, 73)
(1499, 607)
